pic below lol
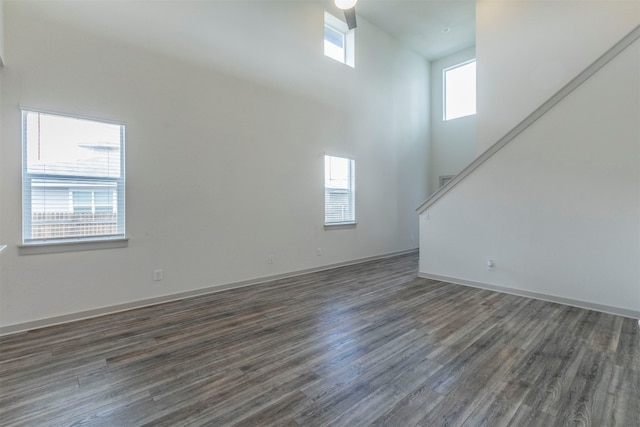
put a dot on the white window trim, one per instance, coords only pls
(58, 246)
(352, 185)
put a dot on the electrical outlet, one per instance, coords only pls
(318, 251)
(270, 259)
(491, 266)
(157, 275)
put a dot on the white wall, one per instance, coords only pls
(222, 170)
(1, 64)
(1, 32)
(528, 49)
(453, 142)
(557, 209)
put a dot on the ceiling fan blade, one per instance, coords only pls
(350, 16)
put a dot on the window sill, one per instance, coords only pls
(59, 247)
(340, 226)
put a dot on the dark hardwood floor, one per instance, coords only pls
(370, 344)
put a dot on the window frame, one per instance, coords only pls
(30, 245)
(444, 90)
(348, 37)
(350, 190)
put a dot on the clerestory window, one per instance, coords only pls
(339, 41)
(460, 90)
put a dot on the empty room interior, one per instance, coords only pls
(320, 213)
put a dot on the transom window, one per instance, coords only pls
(339, 190)
(73, 179)
(339, 41)
(460, 90)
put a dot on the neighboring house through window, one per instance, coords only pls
(73, 179)
(94, 201)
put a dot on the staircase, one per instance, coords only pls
(555, 203)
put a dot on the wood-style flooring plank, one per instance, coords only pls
(368, 344)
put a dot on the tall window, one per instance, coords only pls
(339, 41)
(339, 197)
(73, 179)
(460, 90)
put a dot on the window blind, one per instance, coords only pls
(339, 197)
(73, 179)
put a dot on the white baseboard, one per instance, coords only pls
(634, 314)
(67, 318)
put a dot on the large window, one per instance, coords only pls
(73, 179)
(339, 197)
(460, 90)
(339, 41)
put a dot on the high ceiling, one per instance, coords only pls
(431, 28)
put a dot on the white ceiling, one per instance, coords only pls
(431, 28)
